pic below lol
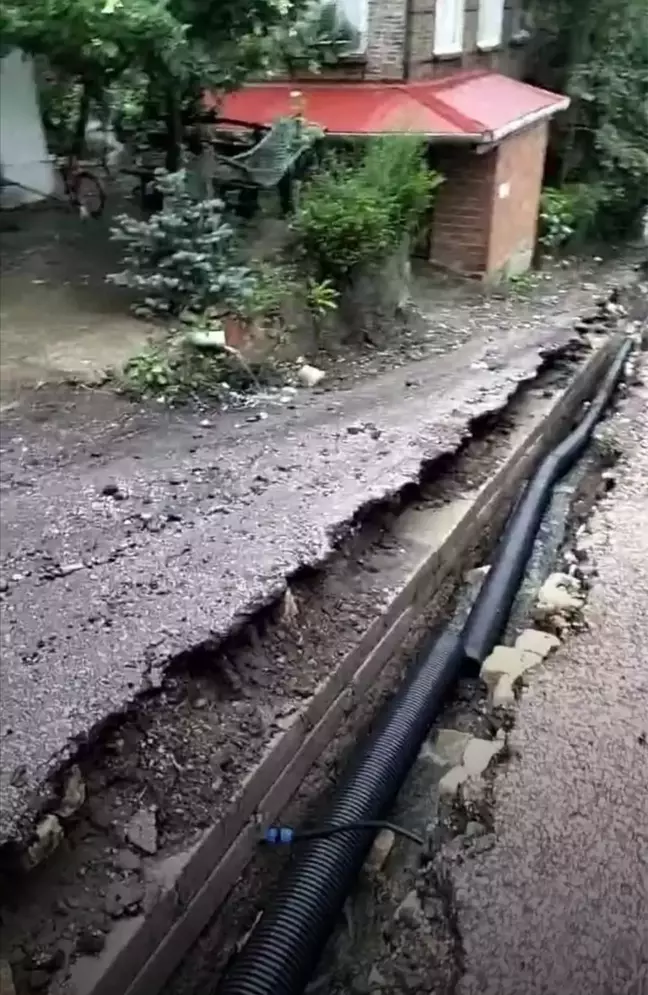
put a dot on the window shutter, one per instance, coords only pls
(491, 17)
(449, 27)
(356, 12)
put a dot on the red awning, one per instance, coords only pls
(480, 106)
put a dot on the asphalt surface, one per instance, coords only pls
(147, 545)
(561, 903)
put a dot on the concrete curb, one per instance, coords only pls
(188, 888)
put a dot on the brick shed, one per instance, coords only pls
(485, 216)
(487, 135)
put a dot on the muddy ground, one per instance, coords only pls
(131, 536)
(85, 481)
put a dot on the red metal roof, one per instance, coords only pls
(477, 105)
(497, 103)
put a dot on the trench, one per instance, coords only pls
(399, 931)
(289, 939)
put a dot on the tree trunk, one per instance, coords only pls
(78, 141)
(174, 132)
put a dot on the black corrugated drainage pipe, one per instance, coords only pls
(284, 948)
(497, 594)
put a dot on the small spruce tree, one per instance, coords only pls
(182, 256)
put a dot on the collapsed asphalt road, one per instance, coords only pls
(116, 563)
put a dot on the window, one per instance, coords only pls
(491, 16)
(449, 27)
(356, 13)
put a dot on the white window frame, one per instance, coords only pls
(491, 24)
(356, 13)
(449, 24)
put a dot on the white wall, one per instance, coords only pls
(23, 151)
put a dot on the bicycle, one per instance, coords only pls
(82, 189)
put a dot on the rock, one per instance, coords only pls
(477, 575)
(90, 941)
(70, 568)
(531, 648)
(111, 489)
(126, 860)
(310, 376)
(381, 849)
(46, 960)
(4, 585)
(559, 593)
(100, 816)
(48, 835)
(287, 609)
(450, 783)
(7, 986)
(376, 979)
(410, 909)
(479, 753)
(476, 757)
(74, 795)
(503, 693)
(141, 831)
(449, 747)
(124, 898)
(507, 661)
(538, 642)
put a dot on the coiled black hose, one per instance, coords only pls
(284, 948)
(282, 952)
(497, 594)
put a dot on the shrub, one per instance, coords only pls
(568, 215)
(183, 256)
(179, 370)
(358, 210)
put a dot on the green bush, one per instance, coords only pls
(184, 255)
(569, 215)
(360, 209)
(177, 370)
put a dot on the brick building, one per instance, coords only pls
(449, 70)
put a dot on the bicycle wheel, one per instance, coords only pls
(89, 195)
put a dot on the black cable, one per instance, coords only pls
(285, 834)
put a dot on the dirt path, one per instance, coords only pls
(58, 317)
(561, 901)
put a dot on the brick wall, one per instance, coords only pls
(401, 42)
(398, 35)
(422, 64)
(485, 216)
(462, 212)
(520, 165)
(386, 39)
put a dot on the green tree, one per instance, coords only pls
(596, 51)
(180, 46)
